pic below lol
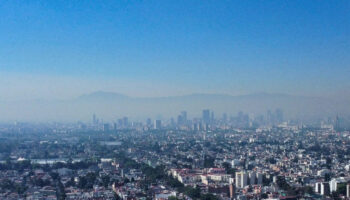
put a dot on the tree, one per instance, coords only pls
(208, 197)
(60, 193)
(193, 192)
(308, 190)
(226, 165)
(71, 182)
(342, 189)
(209, 162)
(335, 195)
(39, 182)
(82, 182)
(281, 182)
(105, 180)
(174, 183)
(116, 197)
(20, 189)
(54, 175)
(264, 196)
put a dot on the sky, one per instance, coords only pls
(62, 49)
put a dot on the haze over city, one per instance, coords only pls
(58, 51)
(175, 100)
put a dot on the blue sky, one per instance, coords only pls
(156, 48)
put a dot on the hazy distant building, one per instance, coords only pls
(179, 120)
(206, 116)
(197, 126)
(224, 117)
(172, 123)
(157, 124)
(82, 126)
(94, 119)
(149, 122)
(279, 116)
(337, 123)
(105, 127)
(206, 127)
(269, 117)
(274, 118)
(182, 118)
(125, 122)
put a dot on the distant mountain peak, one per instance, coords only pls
(102, 95)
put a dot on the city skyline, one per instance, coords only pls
(110, 106)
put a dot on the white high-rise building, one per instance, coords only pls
(318, 187)
(241, 179)
(334, 183)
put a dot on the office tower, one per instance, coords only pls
(259, 177)
(333, 185)
(348, 190)
(232, 191)
(157, 124)
(94, 119)
(184, 116)
(149, 122)
(269, 117)
(325, 188)
(194, 126)
(241, 179)
(252, 176)
(279, 116)
(82, 126)
(212, 117)
(206, 127)
(115, 126)
(125, 122)
(105, 127)
(337, 123)
(120, 123)
(318, 187)
(224, 117)
(172, 123)
(199, 126)
(274, 179)
(206, 116)
(179, 120)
